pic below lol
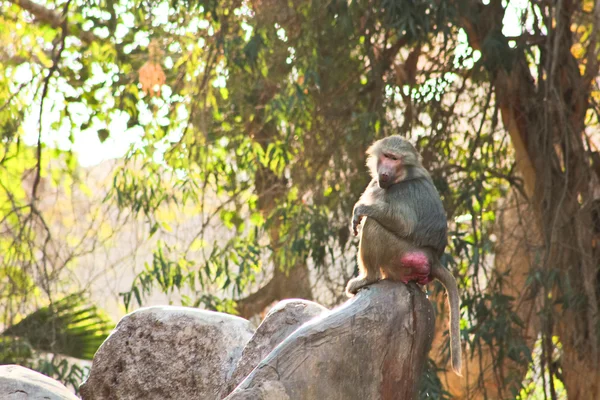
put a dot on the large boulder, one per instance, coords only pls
(372, 347)
(280, 322)
(168, 353)
(20, 383)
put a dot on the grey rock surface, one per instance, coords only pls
(168, 353)
(374, 346)
(279, 323)
(20, 383)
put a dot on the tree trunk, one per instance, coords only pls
(288, 280)
(294, 283)
(545, 119)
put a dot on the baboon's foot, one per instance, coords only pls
(355, 284)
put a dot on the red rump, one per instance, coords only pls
(419, 267)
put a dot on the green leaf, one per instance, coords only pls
(69, 326)
(103, 135)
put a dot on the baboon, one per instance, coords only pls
(405, 232)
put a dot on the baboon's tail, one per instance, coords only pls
(445, 277)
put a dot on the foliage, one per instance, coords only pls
(431, 386)
(77, 328)
(67, 328)
(71, 374)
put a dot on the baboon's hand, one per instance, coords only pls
(356, 218)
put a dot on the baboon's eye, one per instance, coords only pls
(390, 156)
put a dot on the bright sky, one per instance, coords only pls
(86, 143)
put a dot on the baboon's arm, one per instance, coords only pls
(397, 219)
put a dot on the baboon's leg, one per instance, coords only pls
(368, 258)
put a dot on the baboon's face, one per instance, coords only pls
(390, 169)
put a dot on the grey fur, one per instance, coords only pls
(406, 217)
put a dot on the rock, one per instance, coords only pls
(168, 353)
(20, 383)
(280, 322)
(372, 347)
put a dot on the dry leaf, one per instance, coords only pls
(151, 74)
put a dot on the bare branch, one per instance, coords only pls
(55, 60)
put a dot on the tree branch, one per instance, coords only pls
(45, 15)
(53, 68)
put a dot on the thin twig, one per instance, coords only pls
(53, 68)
